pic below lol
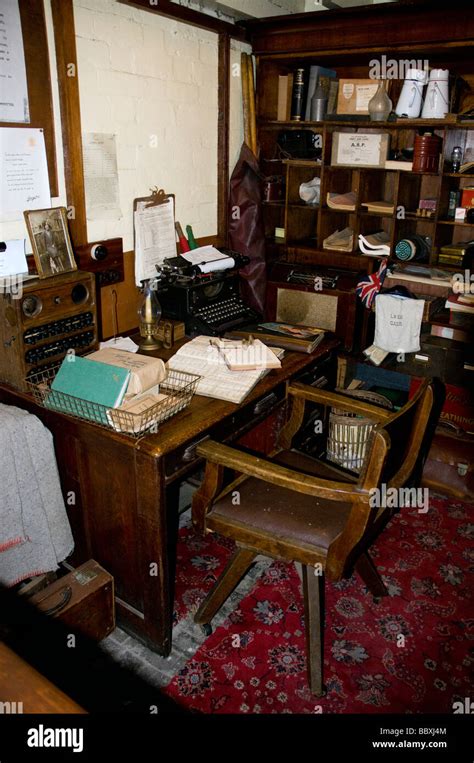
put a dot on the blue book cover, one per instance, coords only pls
(87, 382)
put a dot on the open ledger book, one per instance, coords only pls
(202, 356)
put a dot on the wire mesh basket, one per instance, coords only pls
(349, 432)
(178, 388)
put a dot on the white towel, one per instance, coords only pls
(33, 507)
(398, 323)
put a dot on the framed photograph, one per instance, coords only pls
(50, 240)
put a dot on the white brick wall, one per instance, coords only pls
(141, 75)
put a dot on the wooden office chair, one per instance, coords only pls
(296, 508)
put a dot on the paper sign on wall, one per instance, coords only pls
(101, 176)
(13, 84)
(24, 182)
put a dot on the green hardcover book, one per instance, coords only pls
(81, 386)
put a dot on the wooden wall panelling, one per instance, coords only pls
(35, 43)
(68, 81)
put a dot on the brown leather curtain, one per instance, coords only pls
(246, 230)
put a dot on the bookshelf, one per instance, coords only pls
(348, 41)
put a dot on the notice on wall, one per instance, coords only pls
(101, 176)
(24, 182)
(13, 84)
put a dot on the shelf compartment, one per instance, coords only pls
(376, 186)
(296, 174)
(412, 187)
(273, 217)
(301, 223)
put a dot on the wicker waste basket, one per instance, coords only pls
(349, 433)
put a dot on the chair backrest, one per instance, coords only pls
(391, 460)
(406, 430)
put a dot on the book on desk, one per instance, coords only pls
(203, 356)
(86, 388)
(288, 336)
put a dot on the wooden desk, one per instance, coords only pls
(122, 495)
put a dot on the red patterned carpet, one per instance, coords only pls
(408, 654)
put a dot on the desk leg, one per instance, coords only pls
(157, 513)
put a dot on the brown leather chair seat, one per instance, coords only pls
(274, 511)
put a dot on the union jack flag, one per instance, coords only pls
(369, 286)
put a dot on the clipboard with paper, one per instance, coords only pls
(155, 236)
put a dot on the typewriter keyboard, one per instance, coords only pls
(226, 313)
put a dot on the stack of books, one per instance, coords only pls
(288, 336)
(340, 240)
(457, 326)
(452, 254)
(107, 384)
(461, 303)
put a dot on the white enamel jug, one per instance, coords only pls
(409, 103)
(436, 104)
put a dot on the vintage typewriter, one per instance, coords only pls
(208, 303)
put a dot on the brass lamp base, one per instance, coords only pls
(149, 341)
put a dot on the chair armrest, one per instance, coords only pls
(339, 401)
(266, 470)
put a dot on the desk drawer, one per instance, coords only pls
(234, 426)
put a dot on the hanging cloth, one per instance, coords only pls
(246, 229)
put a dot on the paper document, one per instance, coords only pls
(24, 182)
(101, 176)
(155, 238)
(120, 343)
(201, 357)
(209, 259)
(13, 260)
(13, 83)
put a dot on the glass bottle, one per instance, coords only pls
(456, 159)
(380, 105)
(149, 314)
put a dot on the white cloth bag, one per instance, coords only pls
(398, 323)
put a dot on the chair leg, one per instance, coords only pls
(369, 574)
(313, 592)
(236, 568)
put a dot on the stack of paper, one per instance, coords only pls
(208, 259)
(202, 357)
(375, 244)
(341, 240)
(379, 207)
(345, 202)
